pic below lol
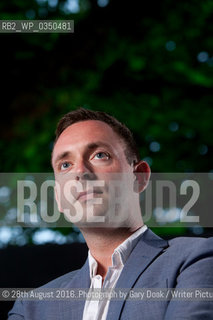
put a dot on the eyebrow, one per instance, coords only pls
(91, 146)
(61, 156)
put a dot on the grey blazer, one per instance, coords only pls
(153, 263)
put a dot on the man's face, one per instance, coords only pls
(91, 169)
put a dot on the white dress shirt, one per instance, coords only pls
(97, 309)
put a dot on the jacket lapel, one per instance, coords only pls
(147, 249)
(73, 309)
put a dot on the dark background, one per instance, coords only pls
(149, 64)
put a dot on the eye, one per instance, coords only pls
(64, 165)
(101, 155)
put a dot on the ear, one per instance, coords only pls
(57, 196)
(142, 172)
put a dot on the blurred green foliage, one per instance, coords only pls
(144, 65)
(149, 64)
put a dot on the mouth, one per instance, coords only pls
(87, 195)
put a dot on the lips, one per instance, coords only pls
(84, 194)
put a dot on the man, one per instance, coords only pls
(95, 158)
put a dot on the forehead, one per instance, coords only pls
(84, 132)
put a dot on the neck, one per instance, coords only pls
(102, 243)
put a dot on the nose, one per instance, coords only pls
(83, 171)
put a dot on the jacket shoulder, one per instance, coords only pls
(192, 246)
(61, 281)
(190, 242)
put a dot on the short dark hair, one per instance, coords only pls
(81, 114)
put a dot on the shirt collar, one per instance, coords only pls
(120, 254)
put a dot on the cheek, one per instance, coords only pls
(114, 167)
(119, 171)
